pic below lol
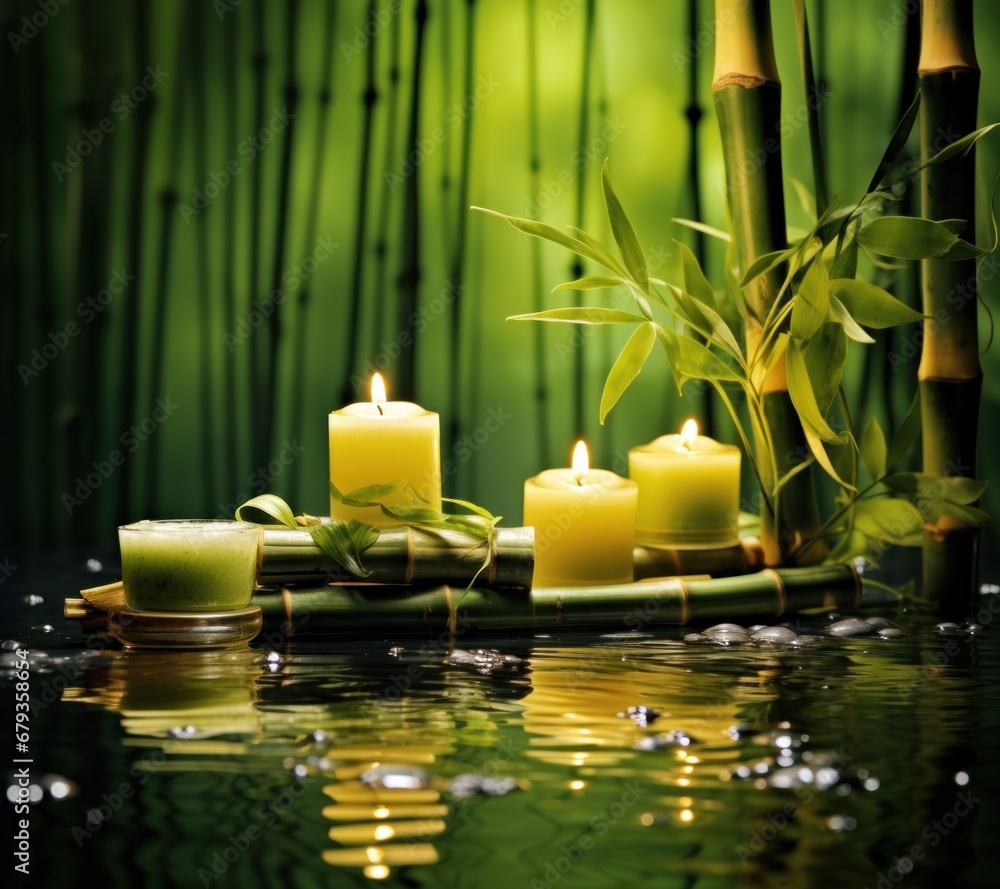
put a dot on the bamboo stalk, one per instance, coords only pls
(537, 288)
(230, 424)
(368, 98)
(409, 556)
(367, 610)
(950, 376)
(747, 93)
(744, 558)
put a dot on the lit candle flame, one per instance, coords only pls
(581, 461)
(689, 432)
(378, 392)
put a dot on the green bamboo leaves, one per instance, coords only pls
(627, 366)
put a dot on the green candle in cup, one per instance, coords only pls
(189, 565)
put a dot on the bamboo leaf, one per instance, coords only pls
(900, 136)
(818, 449)
(889, 520)
(549, 233)
(695, 281)
(824, 356)
(691, 360)
(581, 315)
(812, 303)
(592, 282)
(955, 489)
(873, 449)
(851, 327)
(906, 435)
(709, 322)
(369, 495)
(624, 234)
(598, 249)
(627, 366)
(906, 237)
(765, 263)
(813, 103)
(800, 389)
(794, 471)
(871, 305)
(709, 230)
(959, 146)
(846, 263)
(806, 199)
(272, 505)
(345, 543)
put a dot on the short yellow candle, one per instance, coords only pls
(584, 521)
(377, 442)
(689, 491)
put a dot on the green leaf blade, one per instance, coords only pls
(627, 366)
(624, 233)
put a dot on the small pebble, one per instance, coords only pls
(485, 660)
(850, 626)
(775, 636)
(696, 639)
(94, 565)
(641, 715)
(395, 777)
(878, 623)
(755, 628)
(11, 645)
(396, 651)
(974, 628)
(727, 634)
(807, 640)
(33, 600)
(947, 628)
(44, 628)
(463, 786)
(891, 633)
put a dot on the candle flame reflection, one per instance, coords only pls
(378, 391)
(689, 432)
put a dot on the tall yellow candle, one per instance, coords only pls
(689, 491)
(377, 442)
(584, 521)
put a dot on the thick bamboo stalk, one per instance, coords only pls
(744, 558)
(407, 555)
(747, 93)
(376, 610)
(950, 375)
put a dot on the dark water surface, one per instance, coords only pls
(860, 762)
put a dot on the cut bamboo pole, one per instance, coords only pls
(950, 377)
(376, 610)
(744, 558)
(747, 93)
(407, 555)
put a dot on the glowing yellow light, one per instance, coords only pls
(685, 802)
(374, 854)
(686, 815)
(585, 731)
(376, 871)
(683, 782)
(381, 812)
(384, 832)
(687, 770)
(689, 432)
(378, 390)
(581, 460)
(576, 785)
(647, 818)
(693, 759)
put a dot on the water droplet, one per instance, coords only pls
(641, 715)
(186, 731)
(44, 628)
(741, 730)
(961, 778)
(319, 736)
(94, 565)
(33, 600)
(872, 784)
(395, 777)
(273, 657)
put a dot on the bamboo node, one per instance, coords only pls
(746, 81)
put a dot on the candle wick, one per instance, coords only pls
(381, 412)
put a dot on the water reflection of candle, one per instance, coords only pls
(584, 522)
(689, 490)
(381, 441)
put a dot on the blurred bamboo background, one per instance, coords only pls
(218, 218)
